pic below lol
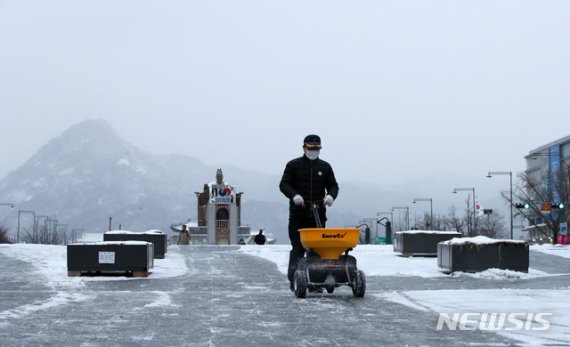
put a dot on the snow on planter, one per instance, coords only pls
(134, 258)
(157, 237)
(480, 253)
(420, 242)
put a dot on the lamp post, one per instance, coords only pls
(407, 214)
(391, 213)
(19, 215)
(455, 190)
(378, 214)
(430, 208)
(368, 222)
(510, 173)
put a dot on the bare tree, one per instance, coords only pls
(423, 223)
(426, 223)
(48, 233)
(491, 225)
(438, 222)
(453, 222)
(465, 225)
(553, 188)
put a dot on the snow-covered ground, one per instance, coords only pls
(559, 250)
(374, 260)
(51, 262)
(380, 260)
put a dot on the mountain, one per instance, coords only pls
(89, 174)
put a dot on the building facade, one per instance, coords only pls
(547, 173)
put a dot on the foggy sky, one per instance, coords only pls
(396, 89)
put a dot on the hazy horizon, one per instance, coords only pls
(398, 91)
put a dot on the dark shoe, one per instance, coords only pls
(292, 286)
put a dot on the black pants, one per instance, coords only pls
(298, 251)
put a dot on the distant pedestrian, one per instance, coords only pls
(184, 237)
(259, 239)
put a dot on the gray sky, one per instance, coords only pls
(396, 89)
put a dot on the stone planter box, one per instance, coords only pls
(157, 237)
(131, 258)
(420, 242)
(476, 254)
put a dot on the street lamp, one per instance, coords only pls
(368, 222)
(510, 173)
(430, 207)
(407, 214)
(19, 214)
(455, 190)
(391, 213)
(378, 214)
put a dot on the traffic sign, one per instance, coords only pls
(545, 207)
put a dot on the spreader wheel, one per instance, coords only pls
(300, 283)
(359, 287)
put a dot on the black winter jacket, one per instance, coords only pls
(313, 180)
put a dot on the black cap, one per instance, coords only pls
(312, 141)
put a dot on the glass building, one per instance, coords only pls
(547, 171)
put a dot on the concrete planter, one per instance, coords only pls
(158, 239)
(472, 255)
(133, 258)
(420, 242)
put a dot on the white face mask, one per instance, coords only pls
(312, 155)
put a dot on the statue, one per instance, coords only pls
(221, 191)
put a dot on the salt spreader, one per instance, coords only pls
(325, 265)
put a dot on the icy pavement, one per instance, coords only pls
(239, 296)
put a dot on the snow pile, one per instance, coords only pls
(502, 274)
(427, 232)
(480, 240)
(124, 232)
(103, 243)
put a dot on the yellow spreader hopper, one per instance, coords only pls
(329, 243)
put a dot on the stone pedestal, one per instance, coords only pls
(158, 239)
(132, 258)
(476, 257)
(420, 242)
